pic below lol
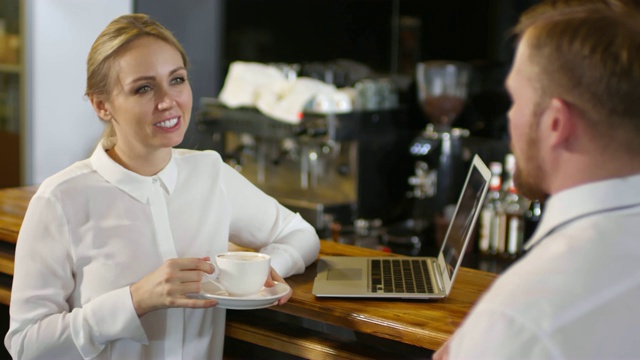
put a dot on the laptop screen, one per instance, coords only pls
(464, 217)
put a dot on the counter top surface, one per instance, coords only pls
(422, 323)
(13, 205)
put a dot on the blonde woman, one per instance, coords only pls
(112, 247)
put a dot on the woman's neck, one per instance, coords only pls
(144, 164)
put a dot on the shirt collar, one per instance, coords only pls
(586, 199)
(136, 185)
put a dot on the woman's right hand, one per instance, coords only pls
(168, 286)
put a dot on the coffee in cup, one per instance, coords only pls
(240, 273)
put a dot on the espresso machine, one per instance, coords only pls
(343, 172)
(437, 154)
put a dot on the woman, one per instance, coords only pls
(113, 248)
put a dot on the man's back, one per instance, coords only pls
(575, 294)
(573, 124)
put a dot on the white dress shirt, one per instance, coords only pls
(576, 294)
(95, 228)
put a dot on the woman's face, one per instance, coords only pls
(150, 101)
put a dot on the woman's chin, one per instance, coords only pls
(172, 141)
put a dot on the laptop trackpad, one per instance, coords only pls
(344, 274)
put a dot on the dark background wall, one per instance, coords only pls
(321, 30)
(198, 25)
(372, 32)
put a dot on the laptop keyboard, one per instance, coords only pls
(408, 276)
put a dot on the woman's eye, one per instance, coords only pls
(179, 80)
(143, 89)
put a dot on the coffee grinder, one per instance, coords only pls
(442, 88)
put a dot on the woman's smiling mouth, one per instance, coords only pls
(167, 124)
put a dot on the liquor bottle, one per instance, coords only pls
(514, 207)
(532, 218)
(501, 221)
(509, 169)
(488, 231)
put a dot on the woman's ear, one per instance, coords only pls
(100, 107)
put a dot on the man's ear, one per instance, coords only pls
(561, 122)
(100, 107)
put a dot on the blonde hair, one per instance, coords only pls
(588, 54)
(120, 32)
(547, 7)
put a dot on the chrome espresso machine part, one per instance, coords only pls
(332, 168)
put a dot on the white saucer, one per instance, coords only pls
(265, 298)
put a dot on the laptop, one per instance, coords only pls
(409, 277)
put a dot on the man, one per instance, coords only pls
(575, 131)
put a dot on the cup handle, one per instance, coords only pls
(212, 277)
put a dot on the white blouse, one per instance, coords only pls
(95, 228)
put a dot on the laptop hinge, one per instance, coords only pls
(438, 271)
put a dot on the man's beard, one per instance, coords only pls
(529, 175)
(527, 187)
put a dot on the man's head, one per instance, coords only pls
(581, 61)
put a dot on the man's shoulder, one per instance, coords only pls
(550, 304)
(575, 269)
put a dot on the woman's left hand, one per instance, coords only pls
(273, 277)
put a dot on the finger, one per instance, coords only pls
(273, 277)
(269, 282)
(185, 277)
(187, 269)
(186, 288)
(192, 303)
(190, 264)
(208, 265)
(286, 297)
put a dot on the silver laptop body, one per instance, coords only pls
(387, 277)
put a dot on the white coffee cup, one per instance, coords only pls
(240, 273)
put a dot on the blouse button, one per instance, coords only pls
(155, 180)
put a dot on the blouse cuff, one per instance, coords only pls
(284, 259)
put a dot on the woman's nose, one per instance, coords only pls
(165, 100)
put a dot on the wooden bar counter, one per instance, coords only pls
(406, 324)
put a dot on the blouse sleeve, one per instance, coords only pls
(261, 223)
(43, 322)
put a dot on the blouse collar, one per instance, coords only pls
(136, 185)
